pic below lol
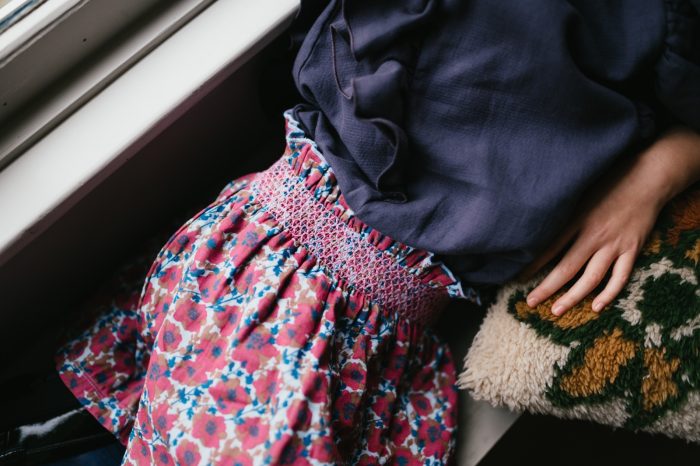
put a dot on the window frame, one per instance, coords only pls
(11, 12)
(90, 143)
(66, 51)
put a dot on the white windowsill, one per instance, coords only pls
(38, 102)
(53, 174)
(21, 32)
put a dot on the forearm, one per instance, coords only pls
(676, 154)
(616, 218)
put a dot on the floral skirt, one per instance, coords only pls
(274, 327)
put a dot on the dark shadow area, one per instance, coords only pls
(546, 440)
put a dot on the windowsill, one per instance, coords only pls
(79, 55)
(58, 170)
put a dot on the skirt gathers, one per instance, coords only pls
(274, 327)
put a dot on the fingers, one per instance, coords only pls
(563, 272)
(620, 275)
(596, 270)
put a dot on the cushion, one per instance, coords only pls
(635, 365)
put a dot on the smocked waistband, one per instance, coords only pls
(302, 193)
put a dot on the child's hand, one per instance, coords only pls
(616, 218)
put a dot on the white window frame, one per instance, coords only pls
(65, 51)
(110, 126)
(14, 10)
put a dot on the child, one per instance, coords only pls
(278, 327)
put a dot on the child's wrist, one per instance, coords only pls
(672, 164)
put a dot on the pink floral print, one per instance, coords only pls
(249, 342)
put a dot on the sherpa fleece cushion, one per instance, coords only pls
(634, 365)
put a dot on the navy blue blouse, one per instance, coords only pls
(470, 128)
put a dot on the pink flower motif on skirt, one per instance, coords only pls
(190, 315)
(234, 458)
(346, 405)
(253, 431)
(314, 385)
(252, 276)
(158, 379)
(399, 429)
(161, 456)
(261, 341)
(227, 319)
(183, 242)
(210, 429)
(320, 347)
(189, 373)
(170, 278)
(187, 454)
(436, 437)
(289, 450)
(292, 336)
(299, 415)
(212, 286)
(212, 251)
(381, 406)
(103, 341)
(229, 395)
(323, 449)
(77, 347)
(398, 363)
(266, 386)
(404, 457)
(353, 375)
(140, 453)
(367, 460)
(374, 435)
(169, 337)
(298, 332)
(421, 404)
(255, 348)
(163, 420)
(213, 354)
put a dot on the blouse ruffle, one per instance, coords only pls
(376, 80)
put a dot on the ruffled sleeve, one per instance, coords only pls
(357, 61)
(678, 68)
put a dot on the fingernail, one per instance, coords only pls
(557, 309)
(597, 306)
(531, 301)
